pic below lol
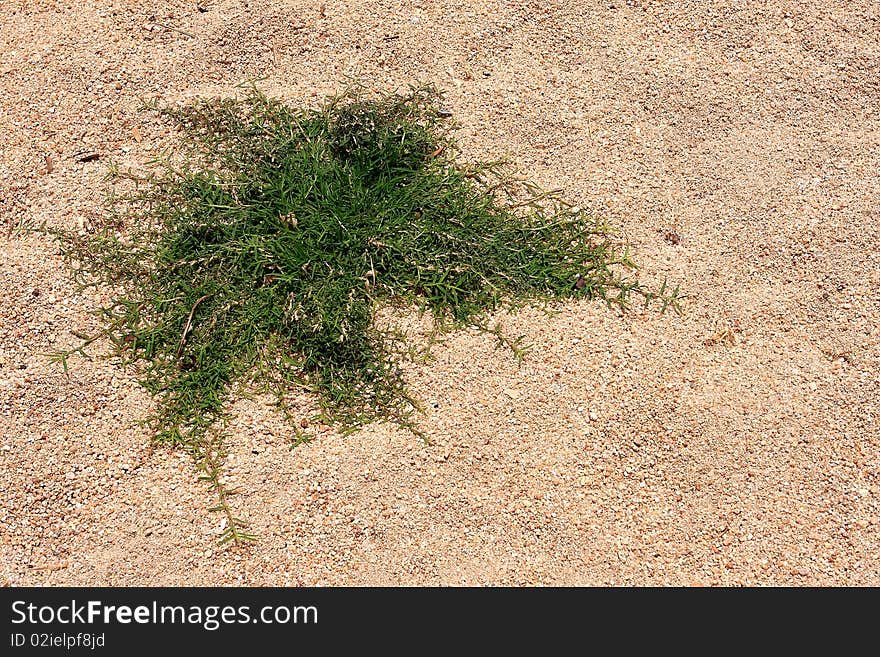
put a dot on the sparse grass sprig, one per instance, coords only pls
(264, 254)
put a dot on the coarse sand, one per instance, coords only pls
(736, 145)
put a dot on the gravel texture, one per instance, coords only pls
(737, 145)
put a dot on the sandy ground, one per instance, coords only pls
(737, 145)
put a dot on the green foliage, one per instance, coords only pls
(264, 257)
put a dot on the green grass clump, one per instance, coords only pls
(264, 257)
